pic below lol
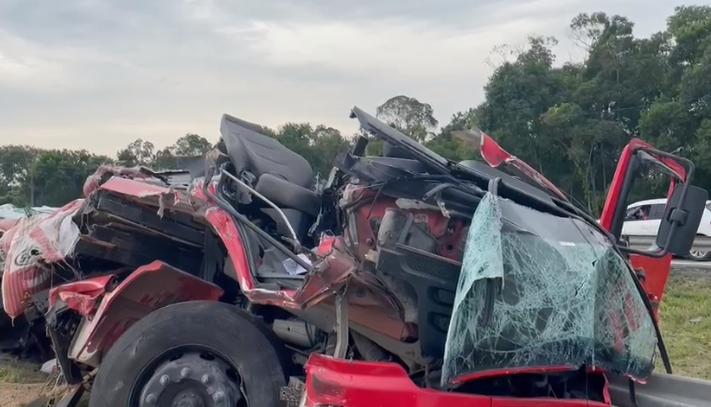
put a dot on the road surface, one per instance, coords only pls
(689, 264)
(691, 269)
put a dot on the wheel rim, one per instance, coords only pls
(191, 379)
(698, 253)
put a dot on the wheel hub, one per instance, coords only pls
(698, 253)
(188, 398)
(191, 381)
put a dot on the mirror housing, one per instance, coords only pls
(682, 216)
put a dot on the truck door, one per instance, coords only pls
(654, 272)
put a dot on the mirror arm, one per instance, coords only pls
(655, 254)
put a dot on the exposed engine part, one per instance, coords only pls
(413, 204)
(398, 227)
(297, 332)
(342, 334)
(405, 293)
(542, 382)
(390, 227)
(329, 347)
(372, 256)
(442, 206)
(408, 352)
(368, 349)
(579, 385)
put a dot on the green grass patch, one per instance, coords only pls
(18, 372)
(686, 325)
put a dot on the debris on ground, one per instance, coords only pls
(49, 367)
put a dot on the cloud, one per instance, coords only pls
(97, 74)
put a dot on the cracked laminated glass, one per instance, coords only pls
(537, 290)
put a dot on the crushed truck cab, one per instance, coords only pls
(337, 382)
(405, 279)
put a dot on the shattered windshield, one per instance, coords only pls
(538, 290)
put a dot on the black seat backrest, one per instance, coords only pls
(249, 149)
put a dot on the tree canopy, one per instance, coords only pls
(570, 120)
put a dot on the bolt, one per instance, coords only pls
(151, 398)
(165, 379)
(205, 379)
(218, 396)
(184, 372)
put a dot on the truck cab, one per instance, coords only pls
(337, 382)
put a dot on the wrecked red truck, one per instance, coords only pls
(405, 280)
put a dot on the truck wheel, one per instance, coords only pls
(192, 354)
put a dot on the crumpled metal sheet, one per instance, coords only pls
(29, 246)
(81, 296)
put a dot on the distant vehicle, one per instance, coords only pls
(643, 219)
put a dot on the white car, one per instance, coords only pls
(643, 219)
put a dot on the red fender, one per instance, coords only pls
(339, 382)
(147, 289)
(82, 296)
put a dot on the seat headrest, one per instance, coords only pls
(248, 125)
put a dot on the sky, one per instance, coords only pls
(98, 74)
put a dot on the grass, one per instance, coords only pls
(686, 325)
(18, 372)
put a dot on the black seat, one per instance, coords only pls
(287, 195)
(249, 149)
(281, 175)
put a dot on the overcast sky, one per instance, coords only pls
(97, 74)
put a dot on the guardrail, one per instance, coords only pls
(645, 242)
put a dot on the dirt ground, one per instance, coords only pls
(19, 395)
(21, 383)
(685, 316)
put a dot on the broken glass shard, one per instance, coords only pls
(540, 291)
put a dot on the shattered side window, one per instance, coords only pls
(537, 290)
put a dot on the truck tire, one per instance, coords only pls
(194, 353)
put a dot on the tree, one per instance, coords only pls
(409, 115)
(450, 147)
(572, 121)
(191, 145)
(319, 146)
(681, 115)
(328, 143)
(517, 96)
(171, 157)
(165, 160)
(58, 176)
(137, 153)
(15, 162)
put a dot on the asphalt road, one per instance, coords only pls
(688, 264)
(691, 269)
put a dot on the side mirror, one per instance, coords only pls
(682, 216)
